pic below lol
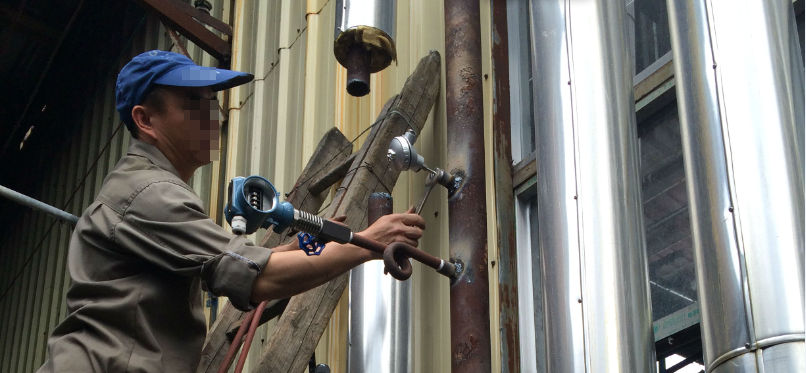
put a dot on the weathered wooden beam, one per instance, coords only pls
(332, 175)
(302, 324)
(333, 148)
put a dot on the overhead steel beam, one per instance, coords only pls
(186, 19)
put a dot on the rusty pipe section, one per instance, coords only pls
(400, 252)
(380, 204)
(470, 309)
(358, 61)
(364, 42)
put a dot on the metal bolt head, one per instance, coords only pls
(391, 155)
(410, 135)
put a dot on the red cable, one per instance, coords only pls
(248, 342)
(236, 342)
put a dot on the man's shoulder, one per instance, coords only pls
(135, 174)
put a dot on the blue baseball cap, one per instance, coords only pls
(167, 68)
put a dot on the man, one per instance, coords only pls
(140, 252)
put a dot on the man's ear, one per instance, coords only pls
(142, 118)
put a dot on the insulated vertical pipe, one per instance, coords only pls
(739, 77)
(470, 308)
(597, 313)
(380, 311)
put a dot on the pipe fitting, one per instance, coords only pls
(396, 261)
(364, 40)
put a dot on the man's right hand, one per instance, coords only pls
(406, 227)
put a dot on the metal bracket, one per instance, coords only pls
(188, 21)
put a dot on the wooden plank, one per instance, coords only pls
(333, 174)
(301, 326)
(333, 149)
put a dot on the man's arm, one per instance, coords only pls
(289, 273)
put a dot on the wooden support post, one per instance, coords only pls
(301, 326)
(334, 148)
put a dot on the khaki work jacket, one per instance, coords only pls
(137, 259)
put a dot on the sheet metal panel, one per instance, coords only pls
(720, 285)
(740, 80)
(763, 86)
(35, 303)
(265, 116)
(40, 334)
(34, 292)
(13, 338)
(25, 281)
(596, 288)
(318, 118)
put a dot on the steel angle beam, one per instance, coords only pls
(190, 22)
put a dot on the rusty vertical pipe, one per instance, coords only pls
(380, 204)
(470, 309)
(358, 69)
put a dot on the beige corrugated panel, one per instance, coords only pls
(489, 151)
(277, 121)
(35, 303)
(265, 135)
(205, 181)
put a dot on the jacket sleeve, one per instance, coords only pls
(165, 225)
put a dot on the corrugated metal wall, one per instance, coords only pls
(277, 121)
(273, 127)
(34, 278)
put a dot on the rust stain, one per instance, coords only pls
(466, 350)
(504, 197)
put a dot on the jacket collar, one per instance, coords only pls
(150, 152)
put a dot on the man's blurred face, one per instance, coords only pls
(190, 123)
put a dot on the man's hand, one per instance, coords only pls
(406, 227)
(292, 272)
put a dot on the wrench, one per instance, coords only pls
(430, 182)
(438, 176)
